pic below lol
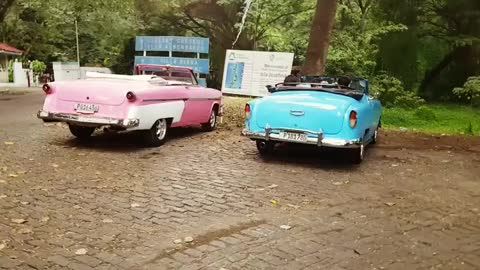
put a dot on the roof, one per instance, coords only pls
(5, 48)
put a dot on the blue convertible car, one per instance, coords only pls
(319, 112)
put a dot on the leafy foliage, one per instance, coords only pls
(389, 90)
(4, 7)
(38, 67)
(45, 29)
(10, 71)
(425, 113)
(355, 43)
(470, 92)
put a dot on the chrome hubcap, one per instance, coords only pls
(375, 135)
(362, 151)
(213, 119)
(161, 129)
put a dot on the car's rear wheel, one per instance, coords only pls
(80, 132)
(265, 148)
(157, 135)
(375, 134)
(356, 155)
(211, 125)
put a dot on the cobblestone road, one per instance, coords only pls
(110, 204)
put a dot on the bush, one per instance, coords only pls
(389, 90)
(426, 114)
(470, 92)
(469, 129)
(10, 71)
(38, 67)
(408, 100)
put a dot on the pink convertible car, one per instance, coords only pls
(166, 97)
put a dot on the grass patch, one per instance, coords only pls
(431, 119)
(434, 119)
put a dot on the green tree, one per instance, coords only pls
(45, 29)
(454, 24)
(4, 7)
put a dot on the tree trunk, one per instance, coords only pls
(320, 34)
(4, 6)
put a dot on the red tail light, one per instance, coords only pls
(131, 97)
(247, 111)
(353, 119)
(47, 89)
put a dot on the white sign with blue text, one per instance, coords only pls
(247, 73)
(197, 45)
(173, 44)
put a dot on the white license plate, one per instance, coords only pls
(86, 108)
(295, 137)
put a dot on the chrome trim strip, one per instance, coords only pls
(89, 120)
(297, 113)
(183, 99)
(203, 99)
(163, 100)
(319, 140)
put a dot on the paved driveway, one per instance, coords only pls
(208, 201)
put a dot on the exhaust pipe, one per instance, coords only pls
(263, 144)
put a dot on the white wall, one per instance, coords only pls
(84, 70)
(20, 75)
(69, 71)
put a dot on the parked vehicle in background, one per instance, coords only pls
(317, 112)
(150, 104)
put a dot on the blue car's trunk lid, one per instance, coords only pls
(305, 110)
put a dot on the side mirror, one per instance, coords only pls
(271, 89)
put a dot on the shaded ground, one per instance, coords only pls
(111, 204)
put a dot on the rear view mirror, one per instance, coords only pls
(271, 89)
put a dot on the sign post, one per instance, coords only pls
(249, 72)
(175, 44)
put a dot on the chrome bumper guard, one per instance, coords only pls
(318, 140)
(88, 120)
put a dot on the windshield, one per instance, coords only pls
(172, 75)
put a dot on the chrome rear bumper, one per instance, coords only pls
(315, 138)
(88, 120)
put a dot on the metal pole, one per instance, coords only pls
(198, 57)
(78, 48)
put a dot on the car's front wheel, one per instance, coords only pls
(80, 132)
(356, 155)
(265, 148)
(211, 125)
(157, 135)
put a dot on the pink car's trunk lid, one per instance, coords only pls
(102, 92)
